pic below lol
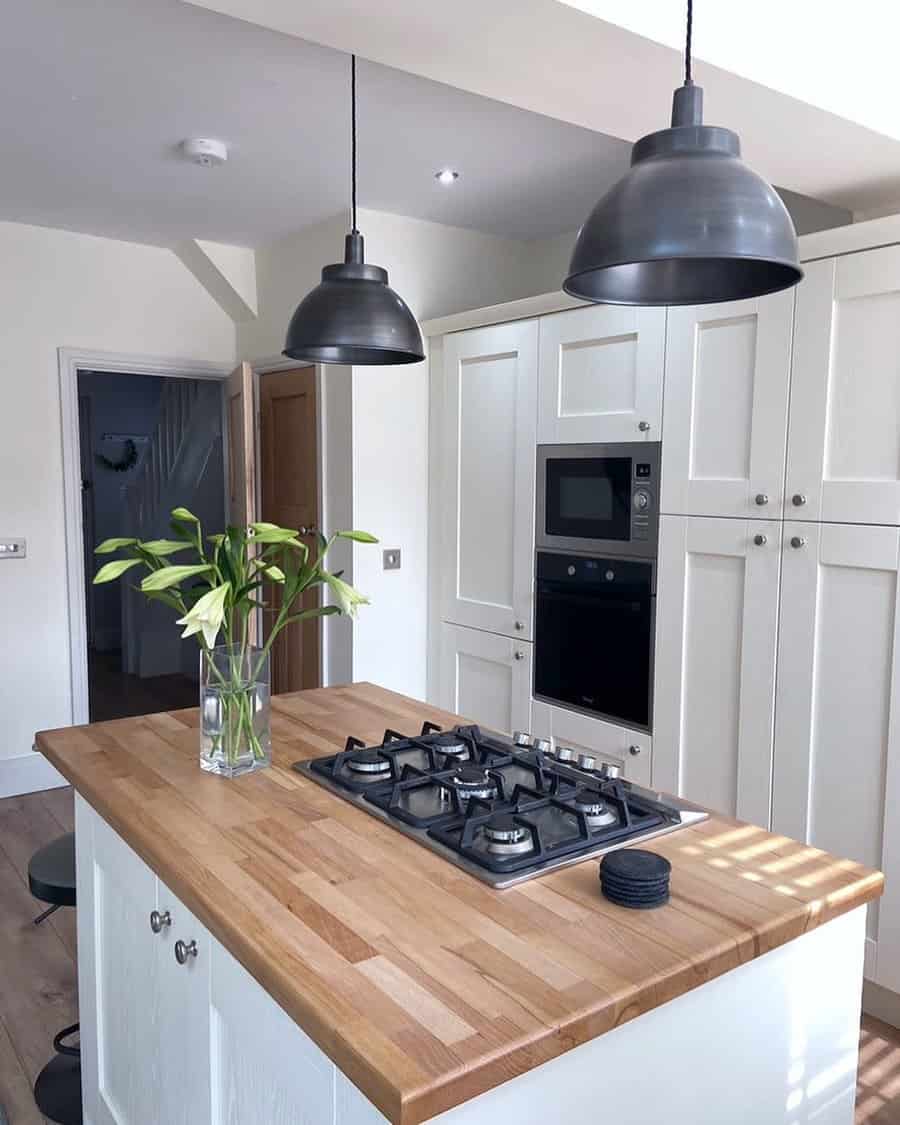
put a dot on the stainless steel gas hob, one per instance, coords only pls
(505, 810)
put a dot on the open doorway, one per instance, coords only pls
(289, 495)
(147, 444)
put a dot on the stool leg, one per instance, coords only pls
(40, 918)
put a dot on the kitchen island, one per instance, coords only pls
(259, 952)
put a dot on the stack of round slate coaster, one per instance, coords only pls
(635, 878)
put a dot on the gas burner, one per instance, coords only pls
(450, 745)
(471, 781)
(505, 836)
(596, 811)
(369, 762)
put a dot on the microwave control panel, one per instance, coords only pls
(643, 499)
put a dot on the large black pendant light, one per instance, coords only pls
(353, 316)
(689, 223)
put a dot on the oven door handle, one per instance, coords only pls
(602, 599)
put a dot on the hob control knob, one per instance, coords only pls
(611, 771)
(587, 761)
(523, 739)
(565, 754)
(542, 745)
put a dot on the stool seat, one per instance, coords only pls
(51, 872)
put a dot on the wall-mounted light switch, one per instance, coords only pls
(391, 559)
(15, 549)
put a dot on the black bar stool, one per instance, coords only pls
(57, 1089)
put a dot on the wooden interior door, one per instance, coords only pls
(290, 497)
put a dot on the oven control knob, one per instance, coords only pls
(610, 575)
(642, 500)
(542, 745)
(570, 570)
(587, 761)
(523, 739)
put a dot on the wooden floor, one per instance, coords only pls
(116, 695)
(38, 982)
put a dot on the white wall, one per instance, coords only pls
(437, 270)
(59, 289)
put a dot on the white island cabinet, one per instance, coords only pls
(176, 1032)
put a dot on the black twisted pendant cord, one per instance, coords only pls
(353, 143)
(688, 80)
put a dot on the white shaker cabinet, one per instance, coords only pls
(489, 424)
(837, 738)
(844, 443)
(630, 750)
(716, 632)
(486, 677)
(726, 407)
(601, 374)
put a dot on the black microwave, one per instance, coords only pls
(599, 499)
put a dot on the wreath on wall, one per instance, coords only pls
(127, 461)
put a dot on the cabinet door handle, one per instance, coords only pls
(519, 626)
(183, 950)
(797, 542)
(634, 751)
(760, 540)
(798, 499)
(762, 498)
(158, 922)
(518, 655)
(643, 427)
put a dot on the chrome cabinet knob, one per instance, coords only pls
(634, 751)
(643, 427)
(762, 499)
(798, 499)
(158, 922)
(519, 626)
(518, 655)
(760, 540)
(183, 950)
(798, 541)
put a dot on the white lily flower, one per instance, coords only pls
(347, 597)
(206, 615)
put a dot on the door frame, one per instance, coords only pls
(70, 362)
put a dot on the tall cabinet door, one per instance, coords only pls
(726, 407)
(837, 740)
(601, 375)
(119, 979)
(844, 446)
(490, 419)
(486, 678)
(717, 621)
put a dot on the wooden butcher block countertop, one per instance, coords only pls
(424, 985)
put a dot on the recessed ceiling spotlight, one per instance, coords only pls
(205, 151)
(446, 176)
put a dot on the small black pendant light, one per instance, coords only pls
(353, 316)
(689, 223)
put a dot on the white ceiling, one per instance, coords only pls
(553, 58)
(97, 94)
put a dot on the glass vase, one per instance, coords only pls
(235, 711)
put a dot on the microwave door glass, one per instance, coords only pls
(589, 498)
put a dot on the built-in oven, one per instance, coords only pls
(599, 499)
(594, 630)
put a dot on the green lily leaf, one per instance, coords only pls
(114, 569)
(163, 596)
(269, 533)
(109, 545)
(183, 515)
(357, 536)
(164, 546)
(168, 576)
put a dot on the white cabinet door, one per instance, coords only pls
(601, 374)
(119, 980)
(620, 746)
(490, 418)
(726, 407)
(265, 1070)
(837, 740)
(184, 1097)
(844, 444)
(486, 678)
(716, 631)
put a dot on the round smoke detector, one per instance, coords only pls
(205, 151)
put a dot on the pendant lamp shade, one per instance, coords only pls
(353, 316)
(688, 224)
